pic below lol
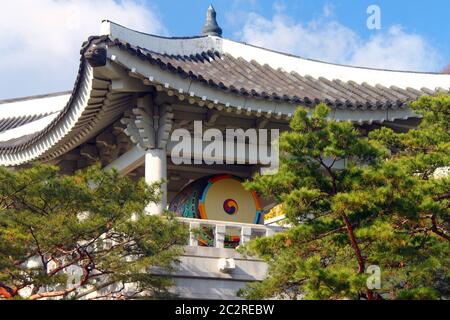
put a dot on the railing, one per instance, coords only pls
(223, 234)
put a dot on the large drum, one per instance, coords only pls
(220, 198)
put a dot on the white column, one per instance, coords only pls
(155, 171)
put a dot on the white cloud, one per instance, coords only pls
(397, 49)
(238, 12)
(328, 40)
(40, 40)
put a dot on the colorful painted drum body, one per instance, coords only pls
(222, 198)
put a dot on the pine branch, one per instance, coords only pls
(437, 230)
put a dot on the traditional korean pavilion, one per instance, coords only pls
(134, 89)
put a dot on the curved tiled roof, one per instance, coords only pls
(90, 108)
(14, 122)
(251, 79)
(22, 142)
(208, 68)
(15, 113)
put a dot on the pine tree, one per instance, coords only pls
(357, 205)
(69, 236)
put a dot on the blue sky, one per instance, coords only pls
(41, 38)
(430, 19)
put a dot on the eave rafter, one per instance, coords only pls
(186, 90)
(193, 92)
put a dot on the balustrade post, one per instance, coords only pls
(269, 232)
(246, 234)
(220, 236)
(193, 237)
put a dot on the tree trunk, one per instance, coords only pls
(354, 243)
(359, 257)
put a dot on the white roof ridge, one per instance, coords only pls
(186, 46)
(28, 128)
(34, 97)
(34, 105)
(333, 63)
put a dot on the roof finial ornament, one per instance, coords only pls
(211, 28)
